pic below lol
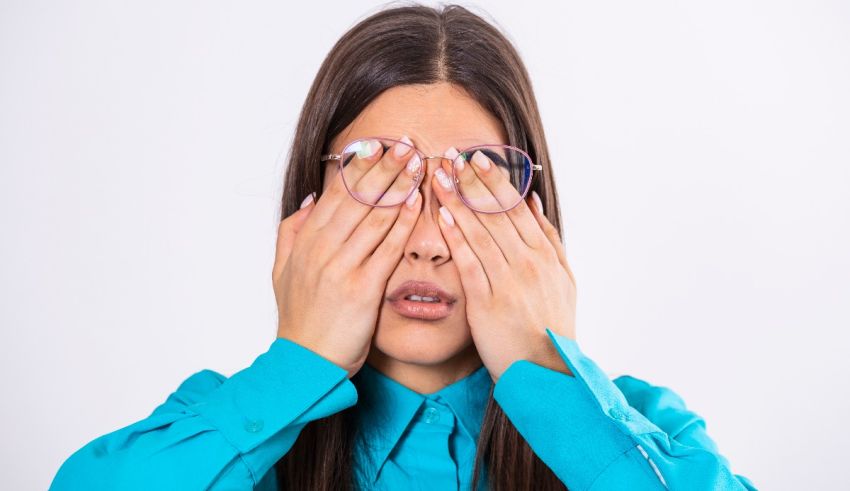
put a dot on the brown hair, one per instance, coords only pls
(398, 46)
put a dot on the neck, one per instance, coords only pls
(426, 378)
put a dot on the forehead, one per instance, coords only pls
(433, 116)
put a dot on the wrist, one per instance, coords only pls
(319, 351)
(549, 357)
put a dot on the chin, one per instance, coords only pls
(421, 342)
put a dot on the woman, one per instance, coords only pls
(426, 333)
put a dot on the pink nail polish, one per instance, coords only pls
(413, 164)
(537, 202)
(411, 199)
(310, 197)
(444, 179)
(400, 150)
(459, 163)
(481, 160)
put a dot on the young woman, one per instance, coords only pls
(426, 334)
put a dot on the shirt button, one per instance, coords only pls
(254, 425)
(432, 415)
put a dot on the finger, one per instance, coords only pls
(388, 182)
(489, 178)
(372, 230)
(287, 231)
(499, 225)
(480, 240)
(473, 276)
(360, 156)
(549, 230)
(381, 264)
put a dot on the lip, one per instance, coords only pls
(421, 310)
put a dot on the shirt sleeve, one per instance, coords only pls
(215, 432)
(596, 434)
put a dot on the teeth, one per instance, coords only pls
(417, 298)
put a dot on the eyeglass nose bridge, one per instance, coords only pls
(441, 157)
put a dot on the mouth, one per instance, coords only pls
(421, 300)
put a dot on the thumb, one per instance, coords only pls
(286, 233)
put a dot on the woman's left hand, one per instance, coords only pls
(513, 270)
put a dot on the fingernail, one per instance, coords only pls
(411, 199)
(537, 202)
(447, 216)
(458, 159)
(400, 150)
(481, 160)
(413, 164)
(444, 179)
(310, 197)
(368, 148)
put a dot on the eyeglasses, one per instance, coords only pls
(515, 165)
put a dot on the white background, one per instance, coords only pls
(701, 154)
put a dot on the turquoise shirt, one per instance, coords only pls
(594, 433)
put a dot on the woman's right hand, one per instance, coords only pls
(334, 257)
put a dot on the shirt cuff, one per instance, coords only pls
(592, 414)
(287, 385)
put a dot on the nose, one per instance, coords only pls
(426, 243)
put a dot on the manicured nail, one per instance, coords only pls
(457, 158)
(537, 202)
(447, 216)
(368, 148)
(413, 164)
(481, 160)
(444, 179)
(411, 199)
(308, 200)
(400, 150)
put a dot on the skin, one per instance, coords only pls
(508, 270)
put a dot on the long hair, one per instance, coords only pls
(399, 46)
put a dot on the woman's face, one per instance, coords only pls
(435, 117)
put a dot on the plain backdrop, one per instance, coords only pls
(701, 154)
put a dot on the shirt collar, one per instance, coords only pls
(386, 408)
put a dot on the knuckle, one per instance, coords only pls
(346, 286)
(468, 268)
(377, 220)
(500, 219)
(331, 273)
(389, 163)
(484, 239)
(529, 265)
(537, 242)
